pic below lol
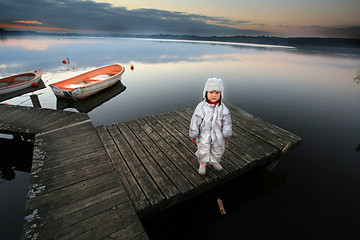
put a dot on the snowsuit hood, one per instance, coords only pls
(213, 84)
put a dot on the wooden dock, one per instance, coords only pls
(95, 183)
(74, 192)
(155, 159)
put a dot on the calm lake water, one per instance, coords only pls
(311, 194)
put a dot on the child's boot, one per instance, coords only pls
(217, 166)
(202, 168)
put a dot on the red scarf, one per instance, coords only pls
(212, 103)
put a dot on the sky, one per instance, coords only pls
(285, 18)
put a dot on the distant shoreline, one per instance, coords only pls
(346, 45)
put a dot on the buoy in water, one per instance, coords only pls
(64, 61)
(132, 67)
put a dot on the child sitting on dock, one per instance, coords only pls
(211, 126)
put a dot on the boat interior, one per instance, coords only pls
(17, 79)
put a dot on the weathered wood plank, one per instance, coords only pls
(272, 128)
(166, 164)
(63, 211)
(82, 221)
(153, 194)
(63, 152)
(65, 121)
(93, 164)
(178, 165)
(154, 170)
(52, 184)
(112, 225)
(53, 200)
(171, 146)
(78, 147)
(170, 127)
(36, 198)
(132, 231)
(21, 116)
(75, 133)
(71, 212)
(58, 161)
(141, 236)
(269, 132)
(115, 210)
(134, 190)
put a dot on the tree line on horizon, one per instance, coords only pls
(323, 42)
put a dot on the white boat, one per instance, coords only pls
(89, 83)
(17, 82)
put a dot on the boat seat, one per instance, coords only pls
(101, 77)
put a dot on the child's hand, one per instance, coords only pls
(193, 140)
(227, 139)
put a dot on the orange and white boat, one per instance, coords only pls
(17, 82)
(89, 83)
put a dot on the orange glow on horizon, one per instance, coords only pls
(17, 26)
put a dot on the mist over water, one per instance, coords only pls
(312, 191)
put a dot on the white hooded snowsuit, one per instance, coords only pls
(210, 125)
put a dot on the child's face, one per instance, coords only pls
(213, 96)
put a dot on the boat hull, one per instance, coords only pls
(20, 81)
(89, 83)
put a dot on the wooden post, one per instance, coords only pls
(221, 206)
(271, 165)
(35, 100)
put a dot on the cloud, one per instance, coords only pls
(104, 17)
(28, 22)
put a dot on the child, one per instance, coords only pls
(211, 126)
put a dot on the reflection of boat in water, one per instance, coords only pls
(89, 83)
(88, 104)
(40, 85)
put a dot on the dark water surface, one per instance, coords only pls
(311, 194)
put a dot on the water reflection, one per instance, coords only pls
(88, 104)
(36, 43)
(40, 85)
(176, 223)
(16, 155)
(104, 49)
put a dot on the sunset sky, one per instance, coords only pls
(322, 18)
